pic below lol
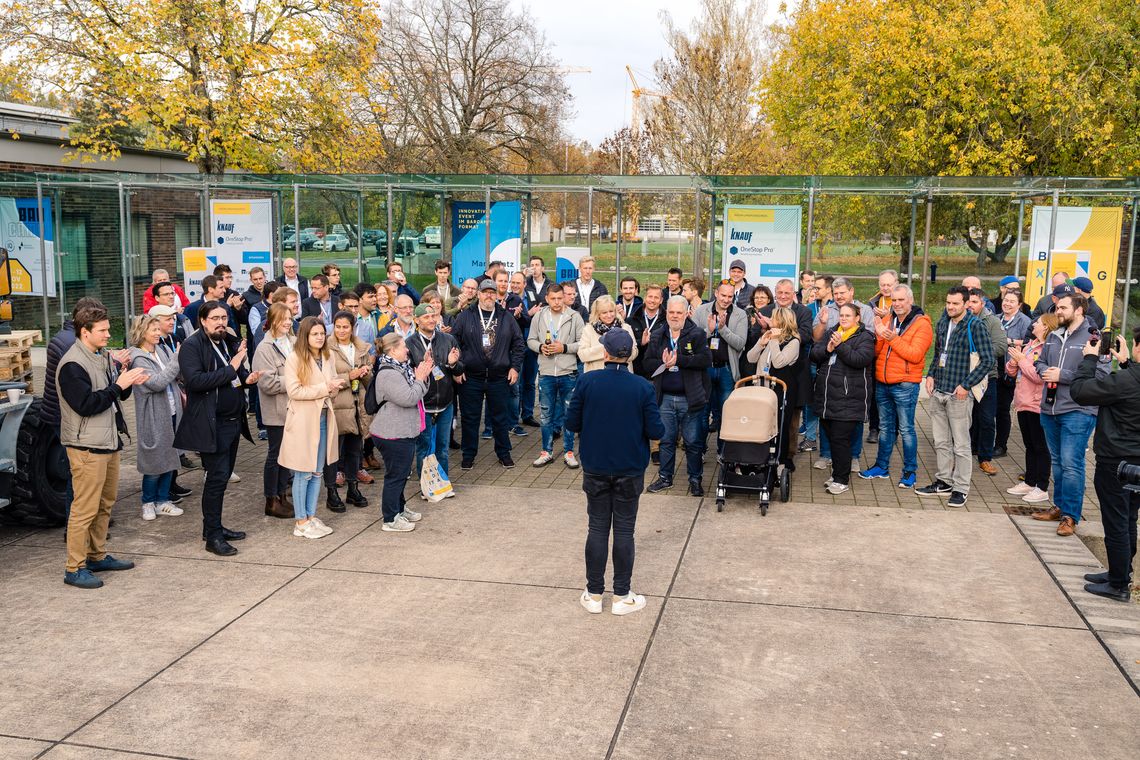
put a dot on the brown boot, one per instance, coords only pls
(371, 462)
(1050, 515)
(286, 501)
(1067, 527)
(274, 508)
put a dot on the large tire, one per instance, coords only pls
(39, 488)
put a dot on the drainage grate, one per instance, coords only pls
(1013, 509)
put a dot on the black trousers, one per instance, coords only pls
(351, 448)
(839, 435)
(1004, 421)
(219, 465)
(497, 394)
(1037, 461)
(872, 408)
(1118, 512)
(275, 479)
(611, 504)
(398, 455)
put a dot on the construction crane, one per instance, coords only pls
(638, 93)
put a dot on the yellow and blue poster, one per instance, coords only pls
(1086, 244)
(20, 233)
(469, 241)
(766, 239)
(241, 235)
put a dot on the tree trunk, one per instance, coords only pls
(904, 254)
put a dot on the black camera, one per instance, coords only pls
(1129, 476)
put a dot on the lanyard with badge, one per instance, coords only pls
(436, 372)
(649, 323)
(488, 326)
(224, 356)
(673, 348)
(946, 345)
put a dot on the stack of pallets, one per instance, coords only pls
(16, 356)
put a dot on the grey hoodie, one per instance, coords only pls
(1064, 350)
(569, 327)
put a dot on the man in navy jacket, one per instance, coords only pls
(616, 414)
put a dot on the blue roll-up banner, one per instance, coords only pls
(468, 237)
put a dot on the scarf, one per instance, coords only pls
(601, 328)
(845, 334)
(404, 367)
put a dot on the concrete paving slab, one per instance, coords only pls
(20, 749)
(70, 653)
(513, 535)
(882, 560)
(270, 540)
(1126, 648)
(10, 534)
(77, 752)
(745, 681)
(392, 667)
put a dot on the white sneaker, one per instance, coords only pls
(544, 459)
(592, 602)
(167, 508)
(1020, 489)
(399, 524)
(838, 488)
(570, 460)
(321, 524)
(624, 605)
(411, 516)
(828, 482)
(309, 529)
(821, 464)
(148, 511)
(1036, 496)
(235, 478)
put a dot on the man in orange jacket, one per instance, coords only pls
(904, 335)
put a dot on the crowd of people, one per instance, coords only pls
(338, 379)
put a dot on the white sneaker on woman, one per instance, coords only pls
(410, 516)
(321, 524)
(1036, 496)
(1020, 489)
(592, 602)
(167, 508)
(399, 524)
(148, 511)
(624, 605)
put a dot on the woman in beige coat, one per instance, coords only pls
(311, 382)
(354, 366)
(603, 318)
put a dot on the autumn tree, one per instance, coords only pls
(469, 87)
(958, 87)
(706, 122)
(258, 84)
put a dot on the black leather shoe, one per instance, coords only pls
(186, 462)
(1108, 591)
(454, 445)
(354, 496)
(220, 547)
(695, 488)
(333, 501)
(173, 498)
(229, 535)
(1097, 577)
(507, 462)
(1000, 451)
(655, 457)
(531, 422)
(467, 464)
(179, 490)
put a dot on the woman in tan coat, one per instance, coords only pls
(310, 439)
(603, 318)
(354, 366)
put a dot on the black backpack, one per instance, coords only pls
(371, 405)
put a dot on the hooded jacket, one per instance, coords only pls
(568, 326)
(843, 377)
(903, 359)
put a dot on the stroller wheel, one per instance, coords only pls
(785, 485)
(720, 505)
(763, 509)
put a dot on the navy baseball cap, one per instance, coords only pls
(1083, 284)
(1064, 289)
(618, 343)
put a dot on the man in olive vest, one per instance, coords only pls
(91, 419)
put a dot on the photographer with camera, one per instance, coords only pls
(1117, 448)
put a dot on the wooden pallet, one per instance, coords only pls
(20, 339)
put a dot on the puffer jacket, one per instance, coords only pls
(59, 345)
(348, 406)
(843, 385)
(903, 359)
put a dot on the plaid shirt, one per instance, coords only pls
(957, 370)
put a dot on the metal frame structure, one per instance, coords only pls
(719, 190)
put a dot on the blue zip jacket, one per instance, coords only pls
(615, 413)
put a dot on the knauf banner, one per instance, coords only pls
(20, 234)
(766, 239)
(1086, 244)
(196, 264)
(469, 242)
(241, 233)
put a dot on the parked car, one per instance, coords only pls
(381, 242)
(308, 241)
(431, 237)
(332, 243)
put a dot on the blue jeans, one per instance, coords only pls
(1067, 436)
(156, 488)
(676, 415)
(856, 443)
(896, 404)
(811, 420)
(529, 377)
(437, 428)
(553, 400)
(722, 383)
(307, 484)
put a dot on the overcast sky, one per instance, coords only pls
(604, 36)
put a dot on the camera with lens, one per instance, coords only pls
(1129, 475)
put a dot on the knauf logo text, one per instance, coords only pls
(740, 235)
(225, 227)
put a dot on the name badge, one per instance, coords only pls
(436, 372)
(832, 359)
(942, 360)
(714, 344)
(486, 340)
(236, 382)
(674, 368)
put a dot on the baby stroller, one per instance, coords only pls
(750, 428)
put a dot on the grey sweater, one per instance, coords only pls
(399, 416)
